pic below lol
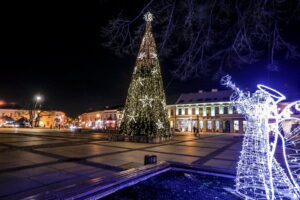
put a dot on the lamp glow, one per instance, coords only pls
(38, 98)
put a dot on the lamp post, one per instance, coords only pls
(38, 99)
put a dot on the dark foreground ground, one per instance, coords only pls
(34, 160)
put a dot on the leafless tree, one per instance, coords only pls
(211, 36)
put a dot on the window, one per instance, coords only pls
(201, 124)
(186, 111)
(208, 111)
(200, 100)
(171, 124)
(236, 125)
(207, 99)
(172, 112)
(217, 110)
(179, 111)
(193, 111)
(234, 110)
(217, 122)
(200, 111)
(225, 110)
(209, 124)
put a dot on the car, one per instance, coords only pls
(22, 125)
(8, 125)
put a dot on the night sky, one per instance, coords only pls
(54, 48)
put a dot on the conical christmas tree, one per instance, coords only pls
(145, 110)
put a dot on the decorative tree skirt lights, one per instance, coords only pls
(259, 174)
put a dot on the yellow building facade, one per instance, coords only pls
(101, 119)
(48, 119)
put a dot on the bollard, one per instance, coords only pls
(147, 159)
(153, 159)
(150, 159)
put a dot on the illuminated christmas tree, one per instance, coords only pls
(145, 109)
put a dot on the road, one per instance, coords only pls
(33, 160)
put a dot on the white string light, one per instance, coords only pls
(142, 55)
(259, 175)
(153, 55)
(146, 101)
(159, 124)
(154, 72)
(140, 81)
(132, 117)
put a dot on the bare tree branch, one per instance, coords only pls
(211, 36)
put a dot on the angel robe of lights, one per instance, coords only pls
(259, 174)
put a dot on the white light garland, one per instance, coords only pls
(154, 72)
(153, 55)
(259, 174)
(142, 55)
(159, 124)
(163, 102)
(132, 117)
(140, 81)
(146, 101)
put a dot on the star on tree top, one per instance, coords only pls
(148, 17)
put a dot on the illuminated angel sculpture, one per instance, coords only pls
(259, 174)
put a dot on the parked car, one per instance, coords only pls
(22, 125)
(7, 125)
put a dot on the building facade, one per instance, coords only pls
(47, 119)
(205, 112)
(101, 119)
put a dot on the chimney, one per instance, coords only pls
(200, 91)
(214, 90)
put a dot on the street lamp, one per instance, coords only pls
(38, 98)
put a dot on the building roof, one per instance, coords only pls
(205, 97)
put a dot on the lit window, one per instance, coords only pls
(236, 125)
(209, 124)
(217, 122)
(201, 124)
(171, 124)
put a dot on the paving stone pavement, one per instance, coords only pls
(38, 159)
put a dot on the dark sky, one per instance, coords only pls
(54, 48)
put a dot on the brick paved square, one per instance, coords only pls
(34, 160)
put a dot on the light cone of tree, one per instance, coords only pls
(145, 110)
